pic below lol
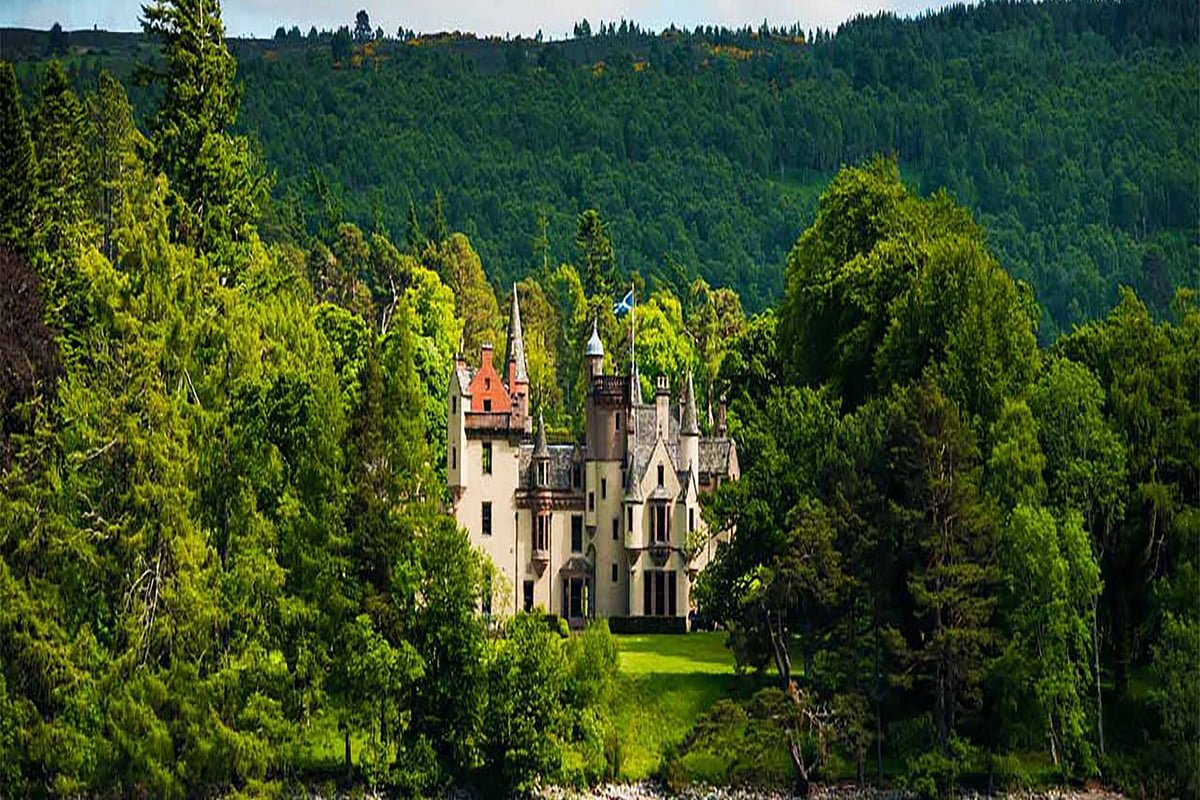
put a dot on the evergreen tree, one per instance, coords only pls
(64, 226)
(216, 186)
(115, 160)
(595, 247)
(18, 170)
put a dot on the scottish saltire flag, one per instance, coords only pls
(624, 304)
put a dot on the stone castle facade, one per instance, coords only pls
(609, 526)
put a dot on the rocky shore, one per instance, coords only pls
(656, 791)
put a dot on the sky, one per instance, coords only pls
(554, 19)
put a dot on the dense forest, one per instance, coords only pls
(1069, 128)
(964, 555)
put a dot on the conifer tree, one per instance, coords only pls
(215, 184)
(64, 227)
(18, 167)
(115, 163)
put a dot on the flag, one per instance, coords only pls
(624, 304)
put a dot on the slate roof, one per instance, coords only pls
(714, 455)
(562, 459)
(463, 373)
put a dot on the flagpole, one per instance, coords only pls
(632, 326)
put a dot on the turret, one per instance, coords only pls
(594, 353)
(689, 430)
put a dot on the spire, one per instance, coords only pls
(540, 448)
(687, 423)
(516, 342)
(635, 385)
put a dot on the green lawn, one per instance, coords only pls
(667, 682)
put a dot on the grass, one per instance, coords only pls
(667, 682)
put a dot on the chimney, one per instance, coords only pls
(485, 355)
(662, 405)
(721, 427)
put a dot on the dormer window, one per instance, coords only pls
(661, 473)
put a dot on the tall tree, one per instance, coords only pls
(18, 171)
(64, 226)
(216, 185)
(115, 159)
(599, 260)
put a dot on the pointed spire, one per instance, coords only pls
(516, 342)
(635, 385)
(540, 447)
(687, 422)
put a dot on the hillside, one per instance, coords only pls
(1069, 128)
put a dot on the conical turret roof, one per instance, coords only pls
(595, 347)
(688, 426)
(541, 449)
(516, 341)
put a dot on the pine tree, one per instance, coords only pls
(216, 186)
(115, 163)
(64, 227)
(596, 250)
(18, 167)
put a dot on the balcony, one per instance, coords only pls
(659, 552)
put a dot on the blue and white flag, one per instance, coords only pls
(624, 304)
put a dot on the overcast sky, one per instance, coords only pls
(554, 19)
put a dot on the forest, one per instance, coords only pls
(1068, 128)
(967, 548)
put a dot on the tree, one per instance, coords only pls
(18, 171)
(1051, 584)
(64, 227)
(526, 719)
(216, 186)
(341, 45)
(29, 362)
(596, 252)
(951, 534)
(362, 27)
(115, 161)
(475, 302)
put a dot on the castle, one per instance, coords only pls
(609, 526)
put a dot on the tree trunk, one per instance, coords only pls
(349, 765)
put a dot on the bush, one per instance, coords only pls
(640, 625)
(935, 772)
